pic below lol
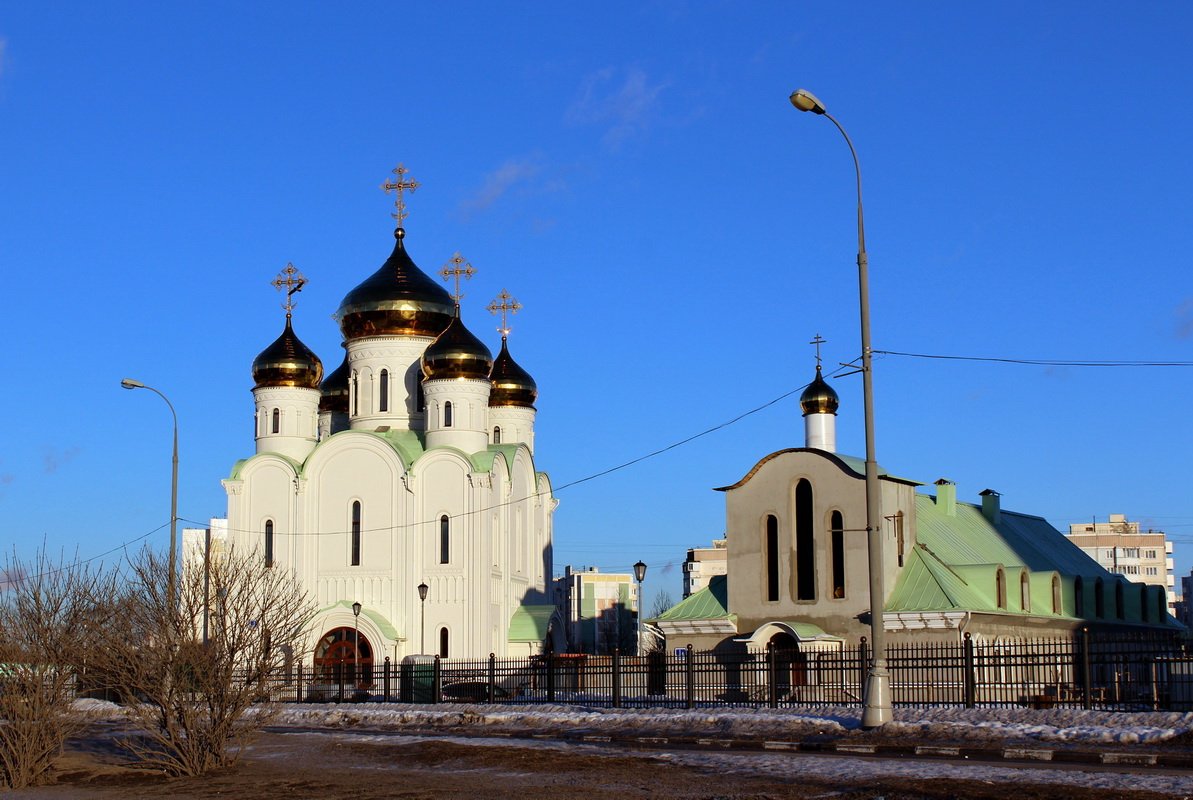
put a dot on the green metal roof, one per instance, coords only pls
(386, 627)
(530, 623)
(711, 602)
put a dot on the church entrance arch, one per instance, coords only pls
(338, 656)
(791, 664)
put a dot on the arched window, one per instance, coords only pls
(383, 387)
(1143, 604)
(770, 549)
(838, 547)
(1055, 594)
(443, 639)
(1078, 597)
(1024, 591)
(268, 543)
(447, 414)
(1120, 610)
(1000, 588)
(356, 533)
(496, 435)
(1099, 599)
(444, 540)
(805, 543)
(355, 392)
(277, 420)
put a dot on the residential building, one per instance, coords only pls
(702, 564)
(1122, 547)
(599, 610)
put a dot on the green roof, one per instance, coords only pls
(711, 602)
(386, 627)
(530, 623)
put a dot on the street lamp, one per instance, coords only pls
(640, 574)
(356, 644)
(877, 710)
(422, 628)
(129, 383)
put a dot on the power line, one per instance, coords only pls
(1039, 362)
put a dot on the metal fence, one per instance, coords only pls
(1109, 672)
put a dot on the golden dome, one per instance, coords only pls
(512, 385)
(457, 354)
(333, 392)
(397, 300)
(287, 362)
(819, 397)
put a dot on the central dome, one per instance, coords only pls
(397, 300)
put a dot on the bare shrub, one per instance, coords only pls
(48, 615)
(194, 692)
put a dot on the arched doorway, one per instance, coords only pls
(791, 665)
(336, 657)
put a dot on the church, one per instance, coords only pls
(401, 489)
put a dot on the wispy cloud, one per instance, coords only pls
(625, 102)
(499, 182)
(1184, 319)
(53, 459)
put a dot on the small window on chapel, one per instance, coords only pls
(496, 435)
(444, 540)
(268, 543)
(355, 544)
(383, 386)
(447, 414)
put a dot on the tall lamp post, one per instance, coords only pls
(877, 710)
(356, 644)
(129, 383)
(422, 625)
(640, 574)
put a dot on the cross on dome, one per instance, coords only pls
(293, 281)
(398, 186)
(818, 341)
(459, 268)
(508, 305)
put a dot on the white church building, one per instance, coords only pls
(403, 481)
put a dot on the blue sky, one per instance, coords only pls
(634, 175)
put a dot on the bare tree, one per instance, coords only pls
(197, 664)
(653, 640)
(47, 615)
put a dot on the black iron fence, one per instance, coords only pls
(1109, 672)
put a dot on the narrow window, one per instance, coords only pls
(1055, 594)
(838, 526)
(443, 636)
(447, 414)
(355, 391)
(805, 543)
(277, 420)
(1143, 603)
(772, 558)
(1099, 599)
(268, 543)
(356, 533)
(496, 435)
(1120, 610)
(383, 386)
(1000, 588)
(1078, 597)
(444, 540)
(1024, 592)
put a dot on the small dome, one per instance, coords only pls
(287, 362)
(397, 300)
(457, 354)
(512, 385)
(819, 397)
(333, 392)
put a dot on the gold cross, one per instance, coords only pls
(507, 305)
(294, 281)
(400, 185)
(817, 341)
(453, 268)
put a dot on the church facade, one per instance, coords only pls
(401, 489)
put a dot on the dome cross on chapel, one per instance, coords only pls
(504, 304)
(398, 186)
(293, 280)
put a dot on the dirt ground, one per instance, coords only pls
(311, 765)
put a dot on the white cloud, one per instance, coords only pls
(1184, 319)
(498, 182)
(626, 106)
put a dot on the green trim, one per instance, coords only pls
(530, 623)
(386, 627)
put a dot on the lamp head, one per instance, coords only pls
(422, 591)
(640, 571)
(806, 101)
(129, 383)
(356, 609)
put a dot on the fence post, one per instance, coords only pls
(863, 662)
(385, 681)
(298, 685)
(970, 678)
(690, 678)
(1087, 678)
(1155, 667)
(492, 677)
(617, 677)
(436, 678)
(772, 691)
(340, 682)
(550, 677)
